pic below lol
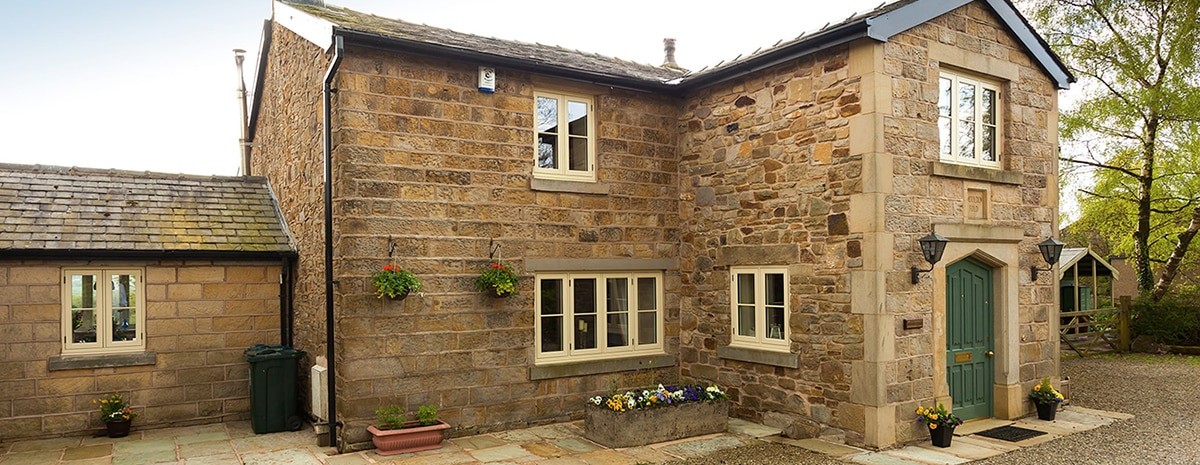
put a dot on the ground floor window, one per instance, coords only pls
(759, 307)
(103, 311)
(587, 316)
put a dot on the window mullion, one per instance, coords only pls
(564, 136)
(978, 123)
(954, 155)
(760, 305)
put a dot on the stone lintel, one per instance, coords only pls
(974, 62)
(84, 362)
(762, 357)
(600, 366)
(576, 187)
(600, 264)
(735, 255)
(976, 173)
(979, 233)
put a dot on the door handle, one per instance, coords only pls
(989, 354)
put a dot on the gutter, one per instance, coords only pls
(114, 254)
(327, 91)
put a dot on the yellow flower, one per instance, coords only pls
(933, 426)
(933, 417)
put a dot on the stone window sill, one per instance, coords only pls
(975, 173)
(567, 370)
(576, 187)
(85, 362)
(762, 357)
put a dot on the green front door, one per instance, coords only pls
(969, 341)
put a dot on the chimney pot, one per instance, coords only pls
(669, 51)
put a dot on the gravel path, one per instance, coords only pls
(1162, 391)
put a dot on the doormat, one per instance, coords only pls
(1011, 433)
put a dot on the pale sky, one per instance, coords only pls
(151, 84)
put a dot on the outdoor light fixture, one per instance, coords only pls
(1051, 249)
(932, 247)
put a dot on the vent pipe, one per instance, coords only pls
(239, 56)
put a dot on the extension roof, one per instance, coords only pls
(880, 24)
(53, 211)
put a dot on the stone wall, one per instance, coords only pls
(767, 176)
(430, 173)
(200, 316)
(1021, 204)
(288, 151)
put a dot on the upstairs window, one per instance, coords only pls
(590, 316)
(759, 305)
(564, 148)
(968, 120)
(103, 311)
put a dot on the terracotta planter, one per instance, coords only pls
(117, 429)
(941, 436)
(641, 427)
(1046, 411)
(411, 438)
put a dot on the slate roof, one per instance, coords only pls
(51, 208)
(535, 53)
(890, 17)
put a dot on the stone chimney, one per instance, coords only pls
(669, 51)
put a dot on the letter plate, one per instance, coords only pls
(962, 357)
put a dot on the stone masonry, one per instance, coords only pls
(200, 316)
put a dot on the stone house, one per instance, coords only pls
(144, 284)
(752, 224)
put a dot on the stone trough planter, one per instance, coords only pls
(641, 427)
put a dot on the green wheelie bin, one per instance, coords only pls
(273, 388)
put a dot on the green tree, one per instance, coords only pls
(1135, 126)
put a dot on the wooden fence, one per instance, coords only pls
(1097, 330)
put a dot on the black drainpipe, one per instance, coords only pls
(283, 302)
(328, 91)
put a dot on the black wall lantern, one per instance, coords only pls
(1051, 250)
(932, 247)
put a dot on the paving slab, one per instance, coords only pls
(223, 459)
(45, 444)
(702, 447)
(144, 446)
(923, 455)
(645, 454)
(519, 436)
(87, 452)
(1061, 428)
(1075, 416)
(133, 436)
(981, 441)
(193, 438)
(606, 457)
(201, 449)
(576, 445)
(280, 457)
(544, 449)
(975, 426)
(147, 457)
(183, 431)
(965, 449)
(94, 461)
(30, 458)
(562, 461)
(482, 441)
(347, 459)
(450, 458)
(556, 431)
(506, 452)
(879, 458)
(754, 430)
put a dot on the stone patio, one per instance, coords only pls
(557, 444)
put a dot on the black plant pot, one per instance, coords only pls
(117, 429)
(942, 435)
(1046, 411)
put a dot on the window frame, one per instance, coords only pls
(104, 343)
(980, 83)
(759, 341)
(570, 354)
(563, 172)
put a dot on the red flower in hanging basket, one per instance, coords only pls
(497, 279)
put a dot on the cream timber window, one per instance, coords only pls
(759, 307)
(103, 311)
(968, 120)
(592, 316)
(564, 145)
